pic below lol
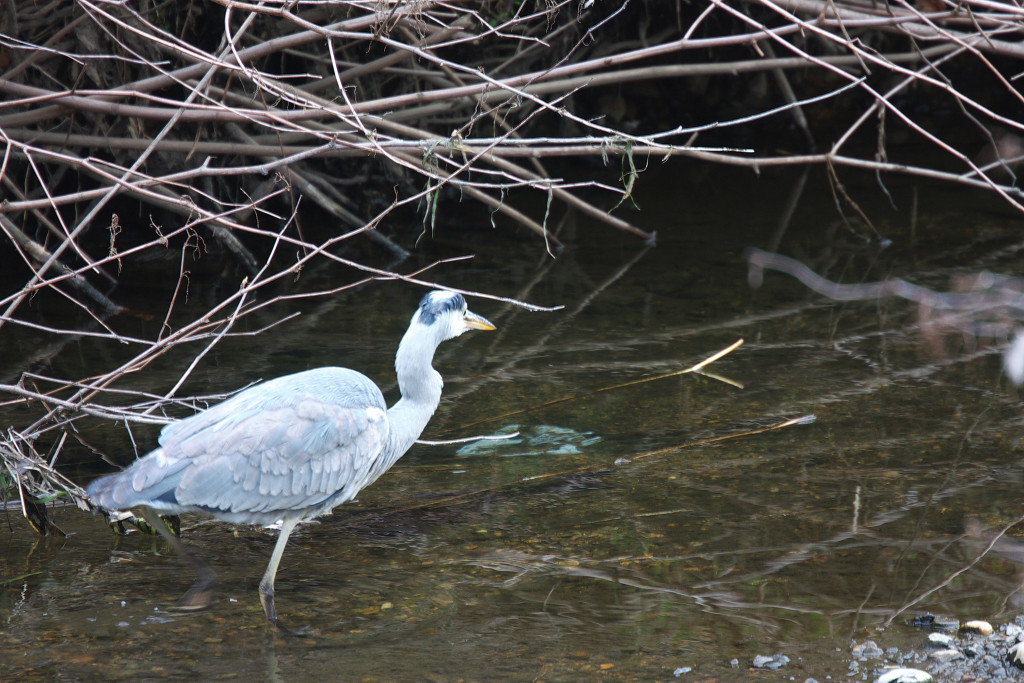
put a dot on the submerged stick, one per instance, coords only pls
(572, 397)
(802, 420)
(988, 289)
(467, 496)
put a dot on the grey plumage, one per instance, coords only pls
(294, 447)
(289, 444)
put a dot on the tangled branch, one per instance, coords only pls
(220, 119)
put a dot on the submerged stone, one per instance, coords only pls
(904, 676)
(770, 662)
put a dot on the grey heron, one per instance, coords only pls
(291, 448)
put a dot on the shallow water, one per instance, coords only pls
(621, 536)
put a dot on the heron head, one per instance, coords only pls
(447, 313)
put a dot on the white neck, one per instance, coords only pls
(421, 387)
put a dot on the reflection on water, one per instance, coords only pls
(578, 558)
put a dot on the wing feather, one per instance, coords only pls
(285, 445)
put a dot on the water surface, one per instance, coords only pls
(622, 537)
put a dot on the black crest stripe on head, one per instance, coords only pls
(439, 302)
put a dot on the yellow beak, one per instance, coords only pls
(476, 322)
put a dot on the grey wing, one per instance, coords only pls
(286, 445)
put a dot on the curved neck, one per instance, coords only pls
(421, 387)
(418, 381)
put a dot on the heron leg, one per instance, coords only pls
(267, 582)
(200, 595)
